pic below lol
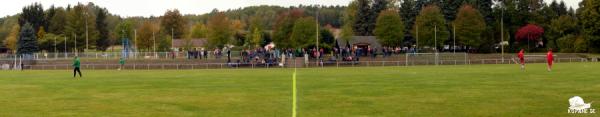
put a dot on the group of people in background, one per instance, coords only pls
(197, 54)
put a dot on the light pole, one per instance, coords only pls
(65, 46)
(154, 43)
(172, 37)
(417, 45)
(75, 44)
(435, 41)
(454, 38)
(502, 31)
(55, 50)
(435, 38)
(86, 31)
(317, 20)
(135, 43)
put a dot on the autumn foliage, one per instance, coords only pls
(529, 32)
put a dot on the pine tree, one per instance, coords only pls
(27, 43)
(363, 16)
(103, 41)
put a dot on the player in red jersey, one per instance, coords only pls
(521, 56)
(550, 59)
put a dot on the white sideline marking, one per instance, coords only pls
(294, 93)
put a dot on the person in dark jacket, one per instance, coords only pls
(76, 66)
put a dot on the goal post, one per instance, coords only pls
(435, 58)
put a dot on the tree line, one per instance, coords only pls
(475, 25)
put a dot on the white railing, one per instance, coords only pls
(295, 63)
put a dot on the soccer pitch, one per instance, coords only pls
(463, 90)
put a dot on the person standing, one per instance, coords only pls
(521, 56)
(121, 63)
(76, 65)
(550, 59)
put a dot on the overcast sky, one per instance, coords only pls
(158, 7)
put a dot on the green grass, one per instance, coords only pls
(476, 90)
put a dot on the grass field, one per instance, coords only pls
(475, 90)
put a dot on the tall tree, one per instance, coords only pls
(408, 15)
(428, 25)
(470, 25)
(589, 15)
(282, 29)
(124, 30)
(48, 14)
(103, 41)
(377, 7)
(256, 38)
(27, 43)
(349, 18)
(560, 28)
(389, 28)
(199, 31)
(11, 40)
(33, 14)
(304, 33)
(485, 9)
(239, 32)
(362, 20)
(219, 31)
(79, 20)
(173, 22)
(57, 23)
(366, 16)
(146, 35)
(326, 39)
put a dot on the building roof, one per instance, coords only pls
(181, 43)
(369, 40)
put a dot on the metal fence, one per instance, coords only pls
(294, 63)
(116, 55)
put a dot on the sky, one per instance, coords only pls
(158, 7)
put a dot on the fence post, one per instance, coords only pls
(406, 59)
(466, 58)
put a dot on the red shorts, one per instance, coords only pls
(522, 61)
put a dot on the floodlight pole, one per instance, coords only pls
(65, 46)
(172, 37)
(135, 38)
(55, 50)
(435, 41)
(454, 36)
(417, 45)
(317, 20)
(154, 43)
(502, 32)
(75, 44)
(86, 30)
(135, 42)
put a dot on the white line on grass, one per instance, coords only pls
(294, 93)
